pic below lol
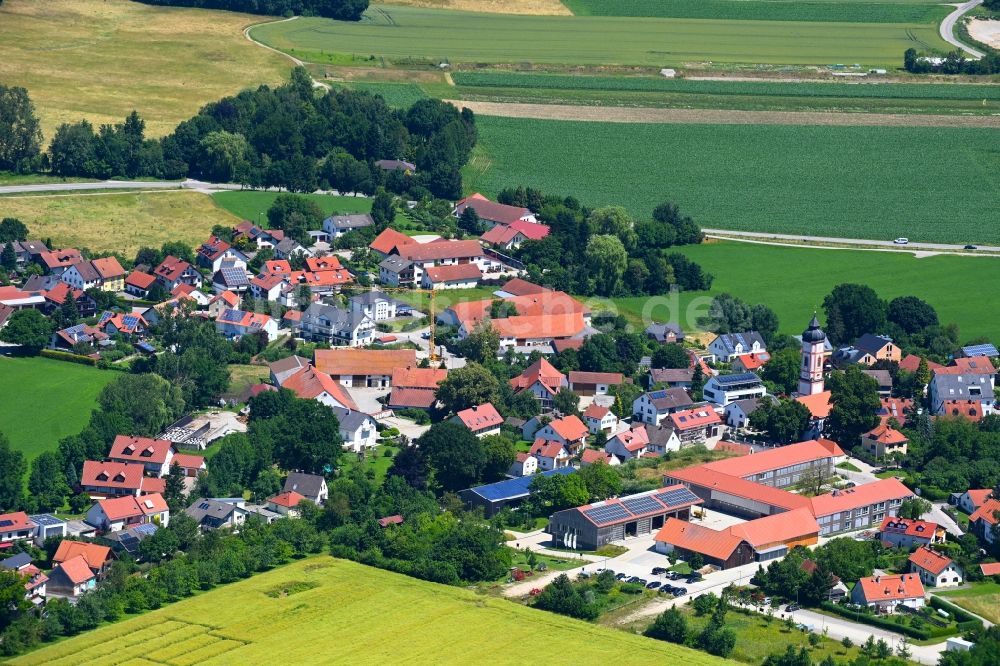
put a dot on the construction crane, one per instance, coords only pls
(431, 311)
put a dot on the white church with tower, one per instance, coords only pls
(813, 357)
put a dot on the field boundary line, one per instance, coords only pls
(620, 114)
(920, 251)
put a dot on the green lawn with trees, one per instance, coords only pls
(253, 204)
(43, 400)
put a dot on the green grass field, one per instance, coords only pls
(253, 205)
(326, 611)
(793, 281)
(42, 400)
(983, 599)
(866, 182)
(396, 95)
(766, 10)
(121, 222)
(414, 35)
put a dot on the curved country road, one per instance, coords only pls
(842, 243)
(948, 27)
(295, 61)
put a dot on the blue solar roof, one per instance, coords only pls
(232, 316)
(513, 488)
(742, 378)
(234, 276)
(981, 350)
(146, 347)
(145, 528)
(45, 519)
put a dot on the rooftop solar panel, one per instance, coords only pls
(45, 519)
(980, 350)
(607, 513)
(641, 505)
(741, 378)
(677, 497)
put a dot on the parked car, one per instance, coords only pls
(426, 335)
(653, 585)
(901, 241)
(971, 247)
(621, 576)
(680, 591)
(791, 608)
(666, 589)
(694, 577)
(659, 571)
(673, 575)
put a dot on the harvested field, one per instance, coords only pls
(609, 114)
(985, 31)
(527, 7)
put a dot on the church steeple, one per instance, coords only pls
(813, 354)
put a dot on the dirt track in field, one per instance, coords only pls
(617, 114)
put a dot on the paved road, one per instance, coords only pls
(948, 27)
(838, 627)
(911, 247)
(188, 184)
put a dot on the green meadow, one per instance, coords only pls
(252, 205)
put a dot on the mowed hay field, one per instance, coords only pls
(99, 59)
(253, 205)
(326, 611)
(794, 280)
(404, 34)
(42, 400)
(857, 182)
(900, 11)
(120, 222)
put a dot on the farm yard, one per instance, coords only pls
(290, 611)
(407, 35)
(42, 400)
(905, 11)
(829, 181)
(100, 59)
(119, 222)
(794, 280)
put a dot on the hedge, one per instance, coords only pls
(966, 620)
(882, 623)
(68, 356)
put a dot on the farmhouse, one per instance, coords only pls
(593, 383)
(591, 526)
(58, 262)
(549, 454)
(493, 213)
(415, 387)
(885, 594)
(390, 242)
(71, 579)
(493, 497)
(371, 368)
(528, 332)
(935, 569)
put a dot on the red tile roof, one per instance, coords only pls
(990, 568)
(520, 287)
(411, 397)
(227, 297)
(699, 417)
(546, 448)
(267, 281)
(362, 362)
(911, 363)
(445, 249)
(425, 378)
(61, 258)
(390, 520)
(108, 267)
(213, 248)
(188, 461)
(987, 512)
(734, 447)
(390, 240)
(95, 556)
(540, 371)
(171, 268)
(753, 361)
(570, 428)
(140, 280)
(539, 327)
(76, 570)
(818, 404)
(15, 522)
(698, 539)
(288, 499)
(277, 267)
(480, 417)
(580, 377)
(883, 434)
(859, 496)
(891, 588)
(778, 528)
(895, 408)
(929, 560)
(140, 449)
(734, 485)
(320, 264)
(503, 234)
(491, 210)
(120, 508)
(453, 273)
(977, 365)
(634, 439)
(969, 409)
(117, 475)
(309, 383)
(777, 458)
(907, 526)
(978, 496)
(595, 411)
(591, 456)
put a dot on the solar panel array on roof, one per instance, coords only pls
(514, 488)
(609, 513)
(6, 522)
(677, 496)
(45, 520)
(145, 528)
(130, 321)
(742, 378)
(980, 350)
(234, 276)
(644, 504)
(232, 316)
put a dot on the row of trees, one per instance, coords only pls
(954, 62)
(605, 252)
(286, 137)
(343, 10)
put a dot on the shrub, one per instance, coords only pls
(67, 356)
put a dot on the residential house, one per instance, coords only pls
(983, 521)
(673, 377)
(81, 334)
(907, 533)
(525, 333)
(884, 441)
(665, 333)
(728, 346)
(26, 252)
(58, 262)
(375, 305)
(311, 486)
(593, 456)
(47, 525)
(970, 391)
(234, 324)
(510, 237)
(738, 412)
(628, 444)
(173, 271)
(724, 389)
(82, 275)
(71, 579)
(481, 420)
(267, 287)
(336, 326)
(973, 410)
(885, 594)
(390, 242)
(884, 380)
(593, 383)
(215, 252)
(125, 324)
(446, 253)
(396, 272)
(542, 380)
(750, 362)
(569, 431)
(286, 503)
(415, 387)
(105, 274)
(219, 303)
(452, 276)
(16, 526)
(120, 513)
(214, 514)
(654, 406)
(309, 383)
(358, 430)
(289, 247)
(493, 213)
(662, 438)
(231, 276)
(112, 479)
(86, 306)
(155, 455)
(935, 569)
(895, 408)
(190, 464)
(972, 499)
(879, 347)
(819, 406)
(699, 424)
(285, 368)
(365, 368)
(338, 225)
(408, 168)
(550, 454)
(524, 464)
(600, 419)
(138, 284)
(35, 585)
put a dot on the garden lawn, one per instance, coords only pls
(857, 182)
(100, 59)
(408, 35)
(793, 281)
(119, 222)
(392, 618)
(252, 205)
(242, 377)
(983, 599)
(42, 400)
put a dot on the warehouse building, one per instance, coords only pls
(591, 526)
(495, 496)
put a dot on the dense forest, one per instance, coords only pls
(344, 10)
(289, 136)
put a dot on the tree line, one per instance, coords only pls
(343, 10)
(286, 137)
(954, 62)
